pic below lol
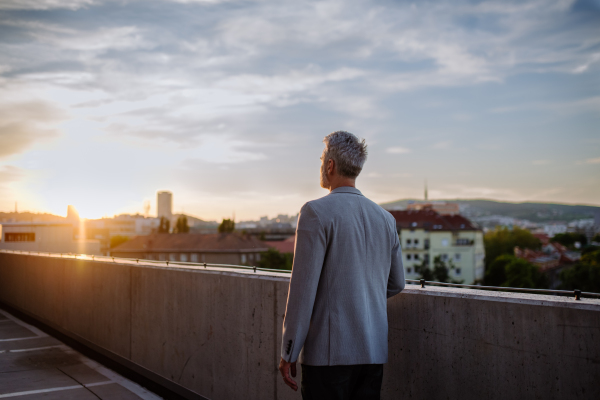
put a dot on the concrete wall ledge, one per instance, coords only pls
(217, 333)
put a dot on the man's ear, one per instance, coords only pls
(330, 166)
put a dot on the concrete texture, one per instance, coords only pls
(218, 333)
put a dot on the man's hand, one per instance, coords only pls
(284, 368)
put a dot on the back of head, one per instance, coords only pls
(348, 152)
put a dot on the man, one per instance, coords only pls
(347, 263)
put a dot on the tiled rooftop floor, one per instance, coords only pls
(34, 365)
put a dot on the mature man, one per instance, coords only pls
(347, 263)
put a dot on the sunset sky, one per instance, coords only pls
(226, 103)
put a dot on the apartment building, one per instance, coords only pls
(217, 248)
(426, 234)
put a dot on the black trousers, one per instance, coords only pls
(342, 382)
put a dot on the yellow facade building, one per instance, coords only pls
(426, 234)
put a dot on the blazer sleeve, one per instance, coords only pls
(309, 255)
(396, 281)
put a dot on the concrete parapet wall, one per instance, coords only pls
(218, 333)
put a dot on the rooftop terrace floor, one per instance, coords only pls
(34, 365)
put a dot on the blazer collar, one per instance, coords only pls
(346, 189)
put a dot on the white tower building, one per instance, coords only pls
(164, 207)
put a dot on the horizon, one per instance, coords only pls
(226, 103)
(272, 216)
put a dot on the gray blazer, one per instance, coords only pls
(347, 263)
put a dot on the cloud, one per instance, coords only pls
(25, 123)
(397, 150)
(540, 162)
(442, 145)
(593, 161)
(43, 4)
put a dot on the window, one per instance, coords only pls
(426, 244)
(444, 257)
(251, 257)
(19, 237)
(457, 256)
(409, 256)
(416, 256)
(408, 241)
(162, 257)
(194, 257)
(457, 271)
(414, 224)
(243, 259)
(257, 256)
(173, 257)
(445, 242)
(416, 241)
(183, 257)
(409, 270)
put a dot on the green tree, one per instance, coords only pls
(117, 240)
(439, 273)
(585, 275)
(273, 259)
(165, 225)
(227, 226)
(569, 239)
(181, 226)
(495, 273)
(503, 241)
(596, 238)
(523, 274)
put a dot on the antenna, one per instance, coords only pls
(425, 189)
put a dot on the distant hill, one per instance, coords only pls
(535, 212)
(29, 217)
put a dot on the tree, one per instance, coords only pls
(440, 272)
(117, 240)
(181, 226)
(596, 238)
(495, 274)
(585, 275)
(569, 239)
(503, 241)
(165, 225)
(273, 259)
(227, 226)
(523, 274)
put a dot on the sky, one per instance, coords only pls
(226, 103)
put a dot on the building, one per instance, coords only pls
(425, 234)
(283, 246)
(217, 248)
(51, 237)
(123, 225)
(164, 205)
(552, 256)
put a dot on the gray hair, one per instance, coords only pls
(348, 152)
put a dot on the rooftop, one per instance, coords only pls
(430, 220)
(35, 365)
(212, 242)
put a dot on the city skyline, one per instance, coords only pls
(225, 104)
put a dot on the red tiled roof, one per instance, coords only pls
(430, 220)
(216, 242)
(283, 246)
